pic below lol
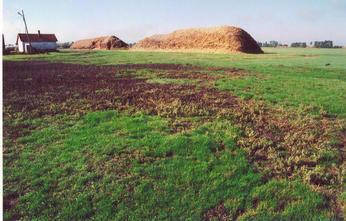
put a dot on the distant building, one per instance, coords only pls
(39, 42)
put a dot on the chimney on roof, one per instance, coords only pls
(39, 33)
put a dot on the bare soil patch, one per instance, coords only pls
(31, 86)
(219, 212)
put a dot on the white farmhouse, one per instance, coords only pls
(40, 42)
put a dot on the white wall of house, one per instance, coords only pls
(22, 46)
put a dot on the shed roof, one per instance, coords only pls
(36, 37)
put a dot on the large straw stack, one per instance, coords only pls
(222, 39)
(107, 42)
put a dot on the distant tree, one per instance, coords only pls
(298, 45)
(270, 44)
(328, 44)
(318, 44)
(64, 44)
(273, 44)
(323, 44)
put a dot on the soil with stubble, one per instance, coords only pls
(70, 88)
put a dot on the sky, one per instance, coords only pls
(286, 21)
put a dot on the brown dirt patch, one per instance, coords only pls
(218, 212)
(34, 87)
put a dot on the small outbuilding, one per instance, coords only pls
(39, 42)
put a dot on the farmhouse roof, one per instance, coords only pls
(36, 37)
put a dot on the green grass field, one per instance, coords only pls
(263, 141)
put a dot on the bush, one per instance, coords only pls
(64, 44)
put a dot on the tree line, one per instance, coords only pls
(316, 44)
(271, 44)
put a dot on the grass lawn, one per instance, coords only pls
(127, 135)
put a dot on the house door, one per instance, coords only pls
(28, 49)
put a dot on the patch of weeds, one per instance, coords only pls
(170, 81)
(286, 200)
(102, 91)
(145, 74)
(178, 109)
(321, 176)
